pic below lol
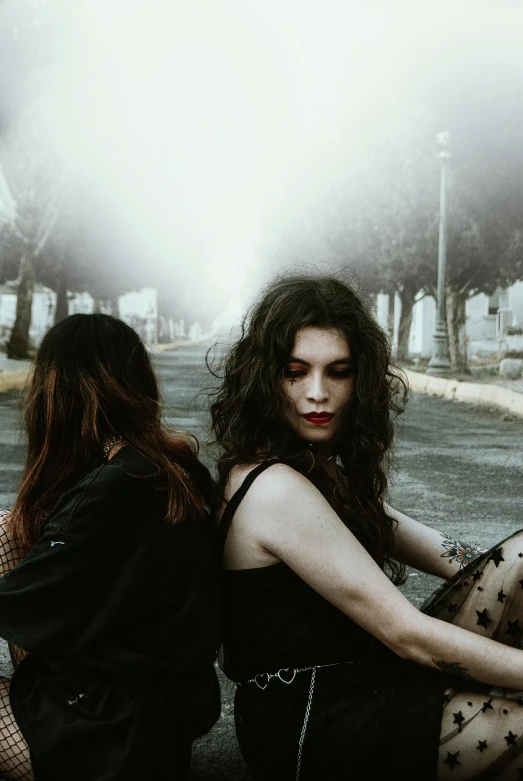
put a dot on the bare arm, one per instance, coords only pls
(428, 550)
(293, 522)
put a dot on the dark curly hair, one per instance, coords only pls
(247, 410)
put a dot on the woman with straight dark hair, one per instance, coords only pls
(108, 595)
(339, 675)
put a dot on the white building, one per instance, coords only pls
(139, 309)
(488, 317)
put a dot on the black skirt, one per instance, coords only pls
(376, 718)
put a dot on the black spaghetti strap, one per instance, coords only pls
(234, 501)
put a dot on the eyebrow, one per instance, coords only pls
(347, 361)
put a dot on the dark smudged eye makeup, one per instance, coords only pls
(293, 373)
(293, 370)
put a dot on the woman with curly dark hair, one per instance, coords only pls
(339, 675)
(109, 576)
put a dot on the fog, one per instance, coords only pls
(213, 141)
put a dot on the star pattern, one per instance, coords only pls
(459, 718)
(483, 619)
(452, 759)
(496, 556)
(513, 628)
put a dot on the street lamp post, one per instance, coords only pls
(439, 364)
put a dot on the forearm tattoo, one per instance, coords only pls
(462, 553)
(453, 668)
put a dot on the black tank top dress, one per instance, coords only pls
(318, 697)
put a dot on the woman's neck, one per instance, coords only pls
(325, 456)
(330, 468)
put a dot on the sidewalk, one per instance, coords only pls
(163, 348)
(13, 374)
(493, 392)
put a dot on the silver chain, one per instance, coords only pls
(287, 675)
(305, 723)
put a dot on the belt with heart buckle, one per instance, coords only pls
(285, 674)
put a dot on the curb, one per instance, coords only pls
(469, 392)
(14, 380)
(161, 348)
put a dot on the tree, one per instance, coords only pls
(35, 184)
(485, 227)
(403, 239)
(484, 257)
(30, 176)
(390, 229)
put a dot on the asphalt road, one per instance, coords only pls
(458, 469)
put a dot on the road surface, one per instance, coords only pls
(458, 469)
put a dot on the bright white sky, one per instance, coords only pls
(197, 118)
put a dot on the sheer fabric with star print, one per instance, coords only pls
(482, 727)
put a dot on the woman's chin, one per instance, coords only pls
(315, 434)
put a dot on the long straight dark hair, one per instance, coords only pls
(247, 412)
(92, 379)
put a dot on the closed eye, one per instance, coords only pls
(293, 373)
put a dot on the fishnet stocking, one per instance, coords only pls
(15, 761)
(9, 557)
(482, 728)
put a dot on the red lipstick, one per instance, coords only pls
(319, 418)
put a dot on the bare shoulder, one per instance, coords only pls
(236, 477)
(279, 492)
(272, 484)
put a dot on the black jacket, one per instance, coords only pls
(118, 610)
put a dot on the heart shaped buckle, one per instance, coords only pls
(261, 676)
(283, 678)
